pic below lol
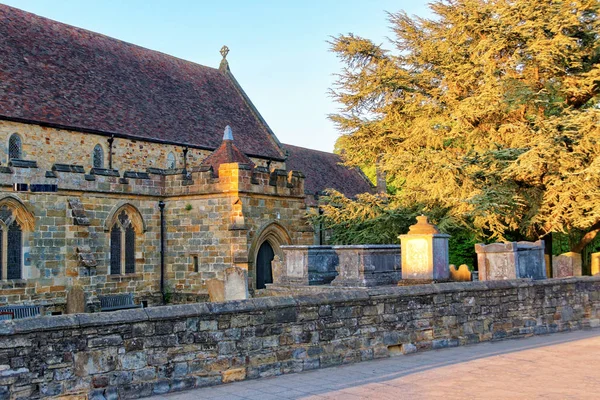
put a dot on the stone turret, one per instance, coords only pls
(227, 153)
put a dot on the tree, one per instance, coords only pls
(490, 111)
(378, 219)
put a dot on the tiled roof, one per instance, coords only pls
(325, 171)
(57, 74)
(226, 153)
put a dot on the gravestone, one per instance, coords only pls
(76, 300)
(236, 284)
(424, 252)
(595, 263)
(216, 289)
(567, 264)
(460, 274)
(514, 260)
(278, 271)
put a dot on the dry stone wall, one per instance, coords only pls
(136, 353)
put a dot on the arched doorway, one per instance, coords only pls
(265, 245)
(264, 273)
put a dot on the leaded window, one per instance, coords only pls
(171, 161)
(14, 249)
(14, 147)
(11, 248)
(129, 250)
(98, 157)
(115, 250)
(122, 246)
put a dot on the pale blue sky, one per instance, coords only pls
(278, 49)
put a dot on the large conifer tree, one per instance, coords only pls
(489, 110)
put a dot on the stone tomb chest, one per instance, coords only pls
(514, 260)
(368, 265)
(357, 265)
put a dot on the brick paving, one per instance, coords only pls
(558, 366)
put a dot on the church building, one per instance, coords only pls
(126, 170)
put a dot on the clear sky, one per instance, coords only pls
(278, 48)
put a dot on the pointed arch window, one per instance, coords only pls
(98, 157)
(11, 245)
(122, 246)
(171, 161)
(14, 249)
(14, 147)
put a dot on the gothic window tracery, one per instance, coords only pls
(122, 245)
(11, 245)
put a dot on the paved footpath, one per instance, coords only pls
(558, 366)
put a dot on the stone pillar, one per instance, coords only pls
(424, 252)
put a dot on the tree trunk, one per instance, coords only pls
(587, 238)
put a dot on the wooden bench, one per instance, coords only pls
(113, 302)
(18, 312)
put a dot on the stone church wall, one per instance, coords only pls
(214, 219)
(50, 145)
(136, 353)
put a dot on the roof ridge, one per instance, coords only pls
(308, 148)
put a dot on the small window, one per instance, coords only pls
(196, 264)
(14, 147)
(171, 161)
(98, 157)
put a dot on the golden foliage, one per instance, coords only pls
(490, 110)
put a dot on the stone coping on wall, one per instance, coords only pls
(75, 321)
(345, 247)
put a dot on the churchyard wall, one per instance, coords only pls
(141, 352)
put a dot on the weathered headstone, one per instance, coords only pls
(216, 289)
(460, 274)
(278, 271)
(498, 261)
(236, 284)
(424, 252)
(565, 265)
(76, 300)
(595, 263)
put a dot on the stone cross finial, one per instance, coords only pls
(228, 134)
(224, 66)
(224, 51)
